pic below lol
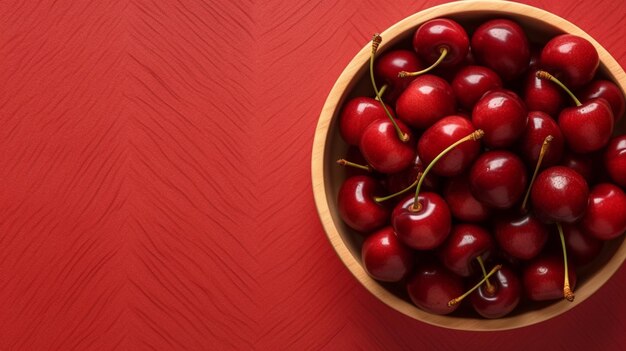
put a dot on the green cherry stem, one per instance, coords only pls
(547, 76)
(460, 298)
(381, 91)
(404, 74)
(376, 40)
(474, 136)
(544, 150)
(380, 199)
(344, 162)
(567, 290)
(490, 288)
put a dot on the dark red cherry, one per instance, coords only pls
(588, 127)
(583, 164)
(570, 58)
(465, 243)
(542, 95)
(502, 115)
(396, 182)
(387, 67)
(615, 160)
(441, 135)
(432, 286)
(435, 35)
(581, 247)
(426, 227)
(472, 82)
(539, 126)
(425, 101)
(507, 294)
(521, 236)
(502, 45)
(382, 148)
(543, 278)
(356, 204)
(384, 257)
(559, 194)
(463, 205)
(608, 91)
(498, 179)
(356, 115)
(605, 218)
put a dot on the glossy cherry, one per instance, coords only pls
(605, 218)
(570, 58)
(559, 194)
(581, 247)
(472, 82)
(502, 115)
(432, 286)
(425, 228)
(463, 246)
(615, 160)
(382, 148)
(502, 45)
(384, 257)
(521, 236)
(608, 91)
(543, 278)
(357, 206)
(463, 205)
(357, 114)
(498, 179)
(435, 36)
(425, 101)
(502, 301)
(539, 126)
(441, 135)
(541, 95)
(387, 67)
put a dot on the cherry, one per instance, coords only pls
(559, 194)
(440, 42)
(384, 257)
(615, 160)
(572, 59)
(432, 286)
(463, 205)
(391, 63)
(582, 246)
(586, 127)
(583, 164)
(383, 150)
(357, 206)
(489, 287)
(441, 135)
(502, 301)
(465, 244)
(610, 92)
(425, 228)
(604, 218)
(503, 117)
(356, 115)
(543, 278)
(397, 181)
(425, 101)
(540, 125)
(501, 45)
(540, 95)
(472, 82)
(521, 236)
(498, 179)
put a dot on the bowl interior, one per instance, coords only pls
(539, 25)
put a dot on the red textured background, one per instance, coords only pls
(155, 180)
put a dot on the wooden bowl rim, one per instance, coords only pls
(318, 167)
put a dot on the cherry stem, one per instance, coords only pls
(376, 40)
(567, 290)
(547, 76)
(344, 162)
(490, 288)
(380, 199)
(474, 136)
(460, 298)
(542, 153)
(381, 91)
(443, 51)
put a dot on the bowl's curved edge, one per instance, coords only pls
(320, 191)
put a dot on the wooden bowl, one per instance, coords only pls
(328, 147)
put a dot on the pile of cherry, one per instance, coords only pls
(496, 175)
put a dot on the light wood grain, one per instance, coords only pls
(327, 147)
